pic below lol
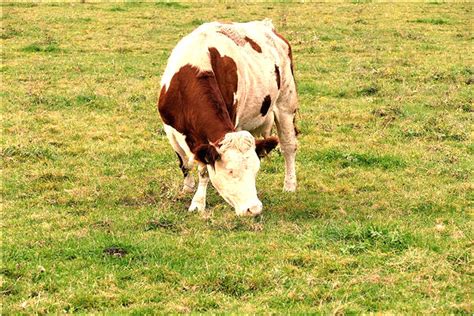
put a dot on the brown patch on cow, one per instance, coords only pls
(290, 53)
(267, 101)
(277, 75)
(252, 43)
(225, 71)
(193, 105)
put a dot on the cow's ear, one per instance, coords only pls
(266, 145)
(207, 154)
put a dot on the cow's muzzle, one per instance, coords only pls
(253, 210)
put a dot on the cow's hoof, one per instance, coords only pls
(187, 189)
(197, 206)
(289, 187)
(188, 185)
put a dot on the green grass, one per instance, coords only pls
(92, 220)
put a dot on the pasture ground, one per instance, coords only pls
(382, 221)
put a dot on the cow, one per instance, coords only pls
(224, 85)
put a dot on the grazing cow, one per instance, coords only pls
(226, 83)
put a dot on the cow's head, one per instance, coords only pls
(233, 165)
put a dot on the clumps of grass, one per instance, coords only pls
(311, 88)
(428, 208)
(460, 260)
(123, 50)
(42, 48)
(85, 301)
(441, 128)
(20, 5)
(197, 22)
(164, 274)
(367, 160)
(9, 32)
(391, 111)
(137, 98)
(92, 100)
(50, 101)
(33, 152)
(232, 223)
(166, 222)
(435, 21)
(368, 90)
(86, 20)
(117, 9)
(56, 102)
(54, 177)
(205, 303)
(234, 284)
(172, 5)
(360, 238)
(301, 260)
(115, 251)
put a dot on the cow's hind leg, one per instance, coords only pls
(285, 122)
(199, 200)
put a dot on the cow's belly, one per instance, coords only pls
(256, 124)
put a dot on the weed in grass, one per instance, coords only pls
(435, 21)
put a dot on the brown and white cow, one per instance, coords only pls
(226, 83)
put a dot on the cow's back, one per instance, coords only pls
(251, 63)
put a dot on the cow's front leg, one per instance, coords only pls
(287, 134)
(199, 200)
(186, 167)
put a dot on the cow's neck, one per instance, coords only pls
(193, 105)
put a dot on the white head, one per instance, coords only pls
(233, 165)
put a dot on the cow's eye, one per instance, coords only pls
(230, 172)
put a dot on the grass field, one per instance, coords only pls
(382, 221)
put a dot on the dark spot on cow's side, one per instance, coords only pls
(277, 75)
(267, 101)
(252, 43)
(115, 251)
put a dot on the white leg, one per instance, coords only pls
(285, 111)
(188, 183)
(199, 200)
(184, 162)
